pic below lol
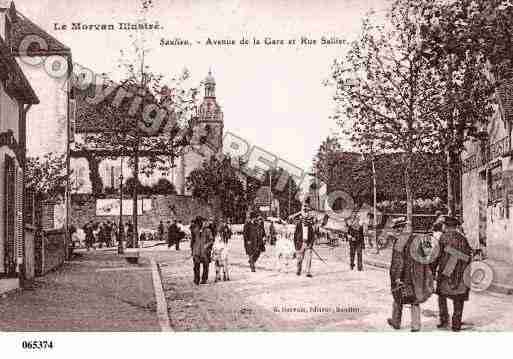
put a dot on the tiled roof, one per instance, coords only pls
(17, 83)
(22, 27)
(88, 116)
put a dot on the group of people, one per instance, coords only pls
(209, 240)
(172, 233)
(422, 266)
(297, 245)
(104, 233)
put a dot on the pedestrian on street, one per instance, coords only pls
(411, 279)
(272, 234)
(253, 240)
(89, 236)
(304, 239)
(201, 247)
(108, 234)
(168, 234)
(130, 235)
(114, 233)
(161, 231)
(174, 235)
(225, 231)
(356, 242)
(261, 232)
(214, 226)
(451, 280)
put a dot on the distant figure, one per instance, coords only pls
(161, 231)
(89, 236)
(114, 233)
(272, 234)
(175, 235)
(130, 235)
(121, 233)
(356, 242)
(253, 240)
(225, 231)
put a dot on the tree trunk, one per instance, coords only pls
(409, 193)
(451, 183)
(134, 196)
(375, 212)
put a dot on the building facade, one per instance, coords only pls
(487, 196)
(16, 98)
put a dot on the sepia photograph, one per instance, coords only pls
(255, 166)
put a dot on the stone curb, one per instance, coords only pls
(160, 298)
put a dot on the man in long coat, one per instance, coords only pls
(411, 279)
(356, 242)
(451, 280)
(202, 241)
(253, 241)
(304, 239)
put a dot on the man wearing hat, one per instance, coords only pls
(304, 239)
(450, 271)
(201, 247)
(356, 242)
(253, 241)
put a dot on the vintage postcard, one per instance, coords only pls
(256, 166)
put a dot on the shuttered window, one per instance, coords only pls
(10, 252)
(18, 228)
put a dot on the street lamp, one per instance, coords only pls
(121, 231)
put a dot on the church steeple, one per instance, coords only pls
(210, 85)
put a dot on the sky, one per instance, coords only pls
(272, 96)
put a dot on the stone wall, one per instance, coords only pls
(50, 250)
(163, 207)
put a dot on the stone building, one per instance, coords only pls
(16, 98)
(47, 65)
(487, 192)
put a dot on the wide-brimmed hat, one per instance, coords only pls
(451, 221)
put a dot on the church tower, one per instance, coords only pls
(207, 139)
(210, 116)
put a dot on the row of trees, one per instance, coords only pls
(423, 82)
(222, 181)
(352, 173)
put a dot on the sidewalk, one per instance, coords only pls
(503, 272)
(96, 291)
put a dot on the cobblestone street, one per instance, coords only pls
(334, 299)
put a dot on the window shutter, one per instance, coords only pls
(20, 245)
(9, 221)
